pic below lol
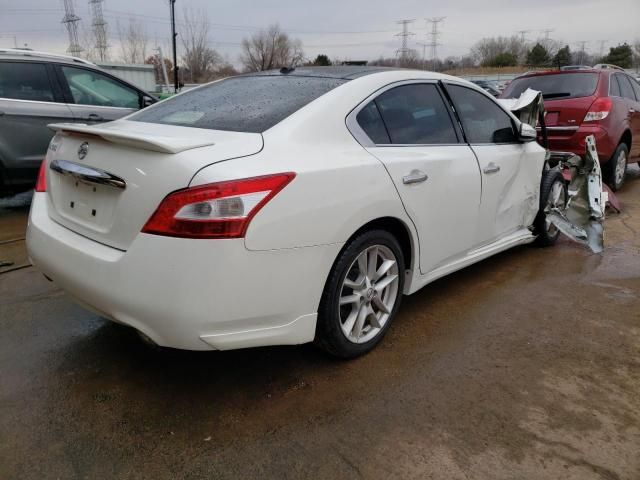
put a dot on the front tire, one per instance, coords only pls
(362, 295)
(617, 167)
(553, 195)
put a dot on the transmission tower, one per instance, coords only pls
(547, 32)
(582, 43)
(523, 34)
(602, 43)
(70, 21)
(402, 52)
(99, 29)
(434, 34)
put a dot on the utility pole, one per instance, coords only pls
(434, 34)
(99, 28)
(404, 35)
(172, 6)
(70, 21)
(164, 69)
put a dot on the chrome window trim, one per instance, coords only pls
(32, 101)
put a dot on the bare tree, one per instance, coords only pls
(199, 59)
(271, 48)
(489, 48)
(133, 41)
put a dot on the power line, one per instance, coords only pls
(547, 32)
(99, 28)
(582, 44)
(602, 43)
(404, 36)
(70, 21)
(434, 34)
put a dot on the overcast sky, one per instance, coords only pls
(342, 29)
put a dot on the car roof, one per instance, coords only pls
(345, 72)
(16, 53)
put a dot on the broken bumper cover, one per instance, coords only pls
(582, 220)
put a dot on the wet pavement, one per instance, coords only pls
(526, 365)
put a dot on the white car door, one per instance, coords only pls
(410, 129)
(510, 169)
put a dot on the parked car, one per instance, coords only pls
(39, 88)
(488, 87)
(600, 102)
(287, 207)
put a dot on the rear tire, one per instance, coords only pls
(553, 194)
(362, 295)
(617, 166)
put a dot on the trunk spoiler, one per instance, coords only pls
(126, 133)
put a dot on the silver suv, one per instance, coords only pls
(39, 88)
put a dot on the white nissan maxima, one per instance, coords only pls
(286, 207)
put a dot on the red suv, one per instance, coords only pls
(604, 103)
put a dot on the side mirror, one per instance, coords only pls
(147, 101)
(526, 133)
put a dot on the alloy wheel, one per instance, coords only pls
(368, 294)
(621, 168)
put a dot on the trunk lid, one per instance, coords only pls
(105, 181)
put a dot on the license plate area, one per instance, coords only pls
(88, 204)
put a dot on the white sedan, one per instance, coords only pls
(288, 206)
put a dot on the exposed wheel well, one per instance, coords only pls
(398, 229)
(626, 139)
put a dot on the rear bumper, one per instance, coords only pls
(188, 294)
(574, 141)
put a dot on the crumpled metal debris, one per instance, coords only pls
(582, 219)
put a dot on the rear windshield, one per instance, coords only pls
(557, 86)
(239, 104)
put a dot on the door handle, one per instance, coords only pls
(94, 117)
(491, 168)
(416, 176)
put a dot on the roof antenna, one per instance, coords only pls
(285, 70)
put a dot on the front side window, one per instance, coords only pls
(636, 87)
(483, 120)
(415, 114)
(250, 104)
(92, 88)
(25, 81)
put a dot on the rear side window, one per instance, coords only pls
(25, 81)
(371, 122)
(239, 104)
(614, 87)
(625, 86)
(555, 86)
(416, 115)
(636, 87)
(483, 120)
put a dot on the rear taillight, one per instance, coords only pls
(216, 210)
(599, 110)
(41, 183)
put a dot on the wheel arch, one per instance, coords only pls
(626, 138)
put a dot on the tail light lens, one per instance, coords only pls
(216, 210)
(41, 183)
(599, 110)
